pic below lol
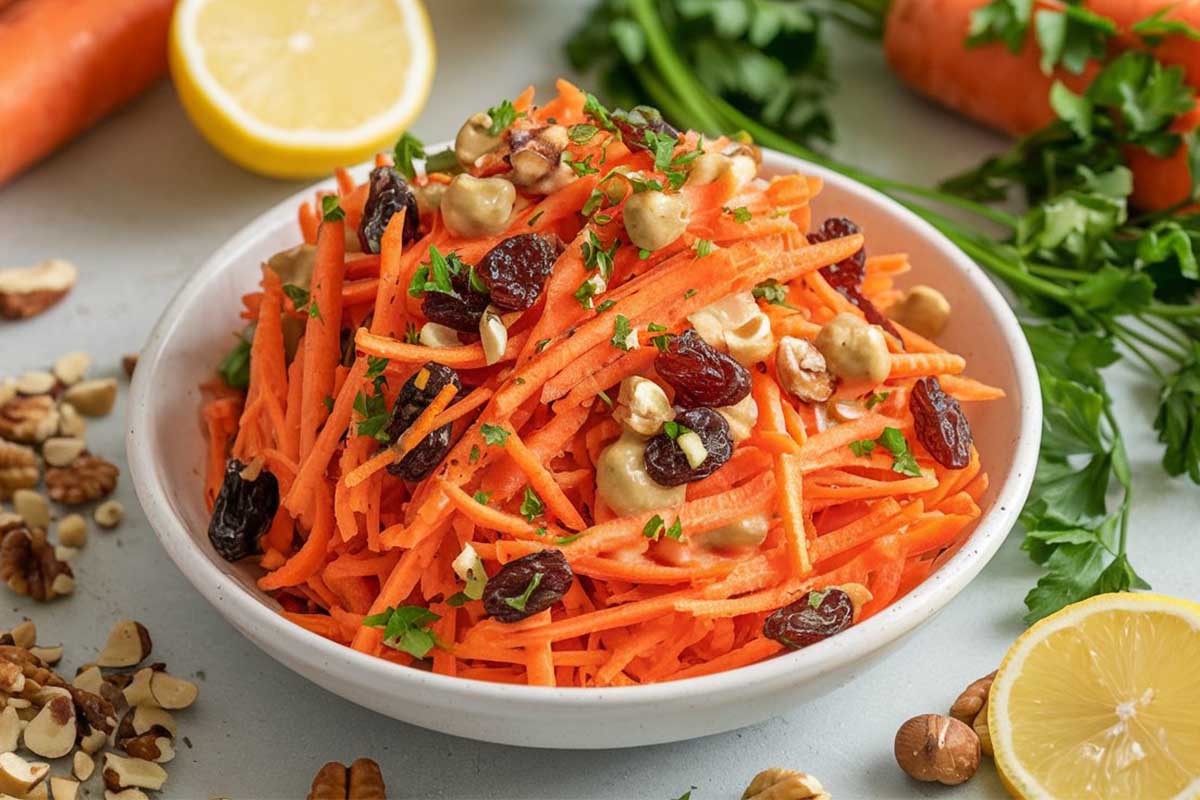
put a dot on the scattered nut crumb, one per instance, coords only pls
(28, 419)
(784, 784)
(24, 635)
(28, 291)
(18, 777)
(128, 645)
(935, 748)
(71, 368)
(50, 654)
(83, 765)
(63, 788)
(28, 566)
(70, 422)
(129, 364)
(109, 514)
(72, 531)
(18, 468)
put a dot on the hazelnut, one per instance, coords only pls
(654, 219)
(708, 168)
(473, 207)
(970, 703)
(623, 483)
(72, 531)
(435, 334)
(642, 406)
(474, 139)
(742, 416)
(924, 310)
(128, 645)
(752, 342)
(109, 514)
(537, 155)
(935, 748)
(429, 196)
(740, 535)
(784, 784)
(802, 370)
(492, 335)
(730, 313)
(854, 351)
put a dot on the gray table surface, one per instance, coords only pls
(140, 202)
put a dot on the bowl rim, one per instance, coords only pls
(247, 612)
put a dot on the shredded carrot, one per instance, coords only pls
(808, 497)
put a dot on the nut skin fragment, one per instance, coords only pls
(51, 734)
(18, 468)
(87, 478)
(784, 784)
(934, 748)
(71, 368)
(129, 364)
(330, 783)
(28, 291)
(124, 773)
(802, 370)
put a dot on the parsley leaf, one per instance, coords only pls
(373, 410)
(330, 210)
(876, 398)
(862, 447)
(622, 333)
(582, 133)
(406, 629)
(502, 116)
(234, 368)
(903, 460)
(482, 497)
(702, 247)
(582, 167)
(297, 294)
(519, 603)
(494, 435)
(653, 527)
(772, 291)
(407, 148)
(532, 506)
(741, 214)
(676, 530)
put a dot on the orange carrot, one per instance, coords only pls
(322, 348)
(543, 483)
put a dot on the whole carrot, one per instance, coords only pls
(68, 63)
(925, 42)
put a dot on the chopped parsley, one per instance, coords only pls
(876, 398)
(234, 368)
(653, 527)
(741, 214)
(597, 258)
(328, 403)
(903, 460)
(702, 247)
(541, 345)
(674, 430)
(862, 447)
(375, 417)
(567, 539)
(603, 395)
(502, 116)
(442, 161)
(533, 220)
(690, 293)
(605, 306)
(519, 603)
(493, 435)
(475, 454)
(815, 598)
(482, 497)
(407, 148)
(297, 294)
(772, 291)
(621, 333)
(581, 168)
(436, 275)
(411, 334)
(331, 211)
(582, 133)
(406, 629)
(532, 506)
(676, 530)
(314, 310)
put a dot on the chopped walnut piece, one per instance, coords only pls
(18, 468)
(87, 478)
(29, 567)
(28, 291)
(784, 784)
(28, 419)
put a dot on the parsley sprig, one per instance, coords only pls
(406, 629)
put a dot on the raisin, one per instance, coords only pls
(507, 595)
(665, 461)
(243, 511)
(634, 123)
(940, 423)
(817, 615)
(461, 310)
(388, 193)
(847, 275)
(419, 462)
(515, 270)
(700, 374)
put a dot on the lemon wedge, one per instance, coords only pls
(1102, 700)
(294, 88)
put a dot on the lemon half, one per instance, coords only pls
(1102, 700)
(294, 88)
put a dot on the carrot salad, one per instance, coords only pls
(589, 404)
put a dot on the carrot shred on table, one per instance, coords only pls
(523, 437)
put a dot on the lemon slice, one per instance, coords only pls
(293, 88)
(1102, 700)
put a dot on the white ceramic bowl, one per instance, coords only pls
(166, 452)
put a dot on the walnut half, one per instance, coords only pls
(362, 781)
(86, 478)
(29, 567)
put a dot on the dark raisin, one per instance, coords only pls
(415, 396)
(461, 310)
(700, 374)
(665, 461)
(940, 423)
(817, 615)
(508, 596)
(634, 123)
(515, 270)
(388, 193)
(243, 512)
(847, 275)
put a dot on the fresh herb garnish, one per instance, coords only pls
(533, 220)
(234, 368)
(862, 447)
(405, 629)
(653, 527)
(482, 497)
(674, 430)
(876, 398)
(605, 306)
(603, 395)
(519, 603)
(903, 460)
(582, 133)
(702, 247)
(297, 294)
(622, 333)
(331, 211)
(436, 275)
(675, 531)
(494, 435)
(532, 506)
(475, 454)
(772, 291)
(741, 214)
(407, 148)
(373, 410)
(502, 116)
(596, 257)
(581, 167)
(443, 161)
